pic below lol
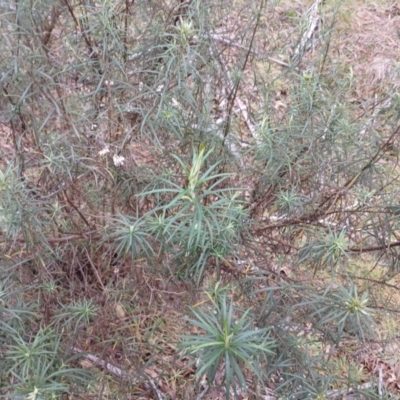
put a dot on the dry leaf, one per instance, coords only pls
(86, 364)
(121, 314)
(150, 372)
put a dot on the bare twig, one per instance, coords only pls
(95, 271)
(377, 107)
(230, 42)
(117, 371)
(203, 393)
(233, 94)
(101, 363)
(339, 393)
(314, 22)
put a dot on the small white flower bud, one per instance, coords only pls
(118, 160)
(105, 151)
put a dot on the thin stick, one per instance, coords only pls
(230, 43)
(95, 272)
(313, 24)
(98, 361)
(117, 371)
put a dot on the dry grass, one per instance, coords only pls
(367, 40)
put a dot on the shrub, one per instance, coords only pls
(137, 140)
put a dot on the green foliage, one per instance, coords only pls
(326, 252)
(229, 341)
(80, 312)
(202, 219)
(130, 236)
(33, 364)
(291, 203)
(349, 311)
(37, 368)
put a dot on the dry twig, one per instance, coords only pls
(117, 371)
